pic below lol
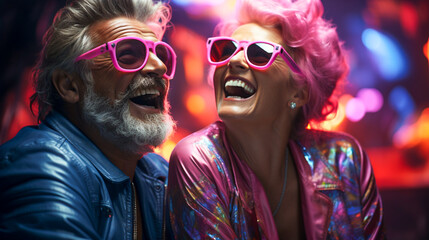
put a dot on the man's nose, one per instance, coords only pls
(154, 66)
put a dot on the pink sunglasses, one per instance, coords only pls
(130, 54)
(259, 54)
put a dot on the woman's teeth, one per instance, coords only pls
(242, 84)
(238, 89)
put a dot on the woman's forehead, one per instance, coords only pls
(256, 32)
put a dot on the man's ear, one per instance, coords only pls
(66, 87)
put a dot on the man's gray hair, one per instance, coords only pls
(68, 37)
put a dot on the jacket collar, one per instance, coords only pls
(316, 174)
(154, 166)
(75, 137)
(322, 169)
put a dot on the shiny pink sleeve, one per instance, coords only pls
(198, 191)
(372, 208)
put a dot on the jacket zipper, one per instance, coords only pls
(164, 227)
(134, 212)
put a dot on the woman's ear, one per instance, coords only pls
(301, 96)
(66, 87)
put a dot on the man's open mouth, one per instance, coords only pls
(148, 98)
(239, 89)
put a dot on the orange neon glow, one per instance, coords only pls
(379, 10)
(423, 125)
(224, 10)
(411, 135)
(195, 104)
(396, 172)
(334, 120)
(426, 49)
(192, 47)
(194, 69)
(200, 103)
(166, 148)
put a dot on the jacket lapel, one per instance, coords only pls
(316, 175)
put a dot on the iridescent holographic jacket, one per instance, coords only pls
(212, 194)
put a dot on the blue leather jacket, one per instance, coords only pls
(56, 184)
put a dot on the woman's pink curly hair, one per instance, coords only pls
(312, 42)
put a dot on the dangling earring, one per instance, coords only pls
(292, 105)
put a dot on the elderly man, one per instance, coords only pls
(101, 87)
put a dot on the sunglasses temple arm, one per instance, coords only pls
(93, 53)
(291, 63)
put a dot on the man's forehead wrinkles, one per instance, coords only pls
(114, 28)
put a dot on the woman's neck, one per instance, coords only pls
(261, 146)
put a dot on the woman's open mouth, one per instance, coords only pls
(239, 89)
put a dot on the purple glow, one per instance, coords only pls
(198, 2)
(371, 98)
(355, 109)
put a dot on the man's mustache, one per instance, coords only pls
(146, 82)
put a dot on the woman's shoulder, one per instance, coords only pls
(209, 138)
(329, 139)
(201, 151)
(331, 148)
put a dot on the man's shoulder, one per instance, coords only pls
(40, 170)
(30, 139)
(154, 165)
(38, 150)
(155, 159)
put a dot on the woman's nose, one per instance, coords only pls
(238, 61)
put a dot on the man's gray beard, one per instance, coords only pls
(116, 124)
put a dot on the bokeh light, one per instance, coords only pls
(207, 8)
(402, 101)
(166, 148)
(412, 134)
(389, 58)
(371, 98)
(195, 104)
(409, 18)
(355, 109)
(200, 104)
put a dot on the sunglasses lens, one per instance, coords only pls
(130, 54)
(166, 56)
(260, 54)
(222, 49)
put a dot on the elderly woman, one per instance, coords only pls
(260, 173)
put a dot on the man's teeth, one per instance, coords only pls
(141, 92)
(239, 83)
